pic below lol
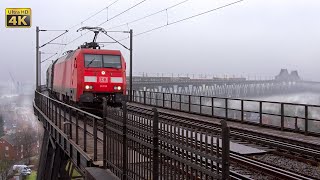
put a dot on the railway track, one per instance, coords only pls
(246, 136)
(254, 165)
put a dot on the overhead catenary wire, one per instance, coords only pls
(123, 12)
(149, 15)
(93, 15)
(135, 5)
(115, 16)
(49, 57)
(114, 2)
(54, 39)
(184, 19)
(190, 17)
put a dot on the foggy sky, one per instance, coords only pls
(252, 38)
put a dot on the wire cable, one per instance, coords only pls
(123, 12)
(184, 19)
(93, 15)
(114, 2)
(149, 15)
(109, 20)
(190, 17)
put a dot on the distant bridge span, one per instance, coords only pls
(232, 87)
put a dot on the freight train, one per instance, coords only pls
(85, 75)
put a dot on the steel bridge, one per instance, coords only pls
(135, 143)
(227, 87)
(126, 144)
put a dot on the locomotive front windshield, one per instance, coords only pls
(102, 61)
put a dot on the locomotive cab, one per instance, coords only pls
(103, 76)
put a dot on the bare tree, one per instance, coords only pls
(5, 166)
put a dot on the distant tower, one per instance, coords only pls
(283, 75)
(295, 76)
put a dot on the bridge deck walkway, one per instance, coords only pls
(137, 157)
(90, 139)
(241, 126)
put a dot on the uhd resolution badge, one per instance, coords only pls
(18, 17)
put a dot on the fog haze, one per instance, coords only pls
(251, 38)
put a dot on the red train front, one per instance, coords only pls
(85, 76)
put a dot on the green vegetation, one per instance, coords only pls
(32, 176)
(74, 173)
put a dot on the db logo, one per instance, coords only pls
(103, 79)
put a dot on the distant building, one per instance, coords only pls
(9, 149)
(285, 76)
(18, 146)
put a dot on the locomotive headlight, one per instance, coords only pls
(103, 72)
(117, 88)
(88, 87)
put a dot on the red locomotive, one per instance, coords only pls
(86, 75)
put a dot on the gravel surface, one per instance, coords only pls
(249, 173)
(291, 164)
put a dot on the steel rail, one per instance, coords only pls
(269, 140)
(266, 168)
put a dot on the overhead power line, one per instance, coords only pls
(184, 19)
(81, 23)
(117, 15)
(190, 17)
(149, 15)
(93, 15)
(123, 12)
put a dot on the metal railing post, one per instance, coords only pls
(212, 106)
(46, 112)
(242, 112)
(51, 110)
(41, 103)
(64, 119)
(59, 116)
(189, 103)
(77, 128)
(155, 145)
(282, 116)
(84, 133)
(124, 142)
(104, 133)
(200, 104)
(144, 97)
(296, 128)
(260, 113)
(133, 97)
(95, 139)
(306, 112)
(171, 101)
(56, 114)
(163, 100)
(226, 106)
(150, 98)
(225, 149)
(180, 101)
(70, 121)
